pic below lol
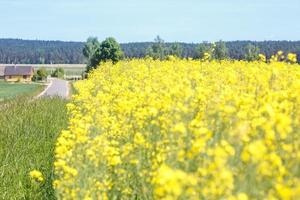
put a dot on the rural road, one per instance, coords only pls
(57, 87)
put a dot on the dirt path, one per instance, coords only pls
(57, 87)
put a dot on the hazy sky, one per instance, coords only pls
(142, 20)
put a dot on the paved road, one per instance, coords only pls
(57, 87)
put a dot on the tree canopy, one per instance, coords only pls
(220, 51)
(203, 48)
(252, 52)
(95, 52)
(111, 50)
(90, 48)
(58, 72)
(158, 49)
(175, 49)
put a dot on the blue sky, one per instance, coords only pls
(142, 20)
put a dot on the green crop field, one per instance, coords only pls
(9, 90)
(27, 139)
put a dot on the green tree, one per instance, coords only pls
(203, 48)
(175, 50)
(108, 50)
(58, 72)
(90, 48)
(158, 49)
(252, 52)
(220, 51)
(41, 74)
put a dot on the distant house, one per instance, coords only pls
(18, 73)
(2, 72)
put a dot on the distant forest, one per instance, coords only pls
(57, 52)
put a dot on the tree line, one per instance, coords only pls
(17, 51)
(58, 52)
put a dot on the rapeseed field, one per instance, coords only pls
(183, 129)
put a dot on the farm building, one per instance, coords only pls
(2, 72)
(18, 73)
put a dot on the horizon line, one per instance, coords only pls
(73, 41)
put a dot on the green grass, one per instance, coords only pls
(10, 90)
(28, 131)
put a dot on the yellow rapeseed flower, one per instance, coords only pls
(183, 129)
(36, 175)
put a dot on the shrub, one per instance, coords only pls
(40, 74)
(58, 73)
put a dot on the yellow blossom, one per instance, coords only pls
(36, 175)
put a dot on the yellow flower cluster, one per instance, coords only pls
(183, 129)
(291, 57)
(207, 56)
(279, 56)
(262, 58)
(36, 175)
